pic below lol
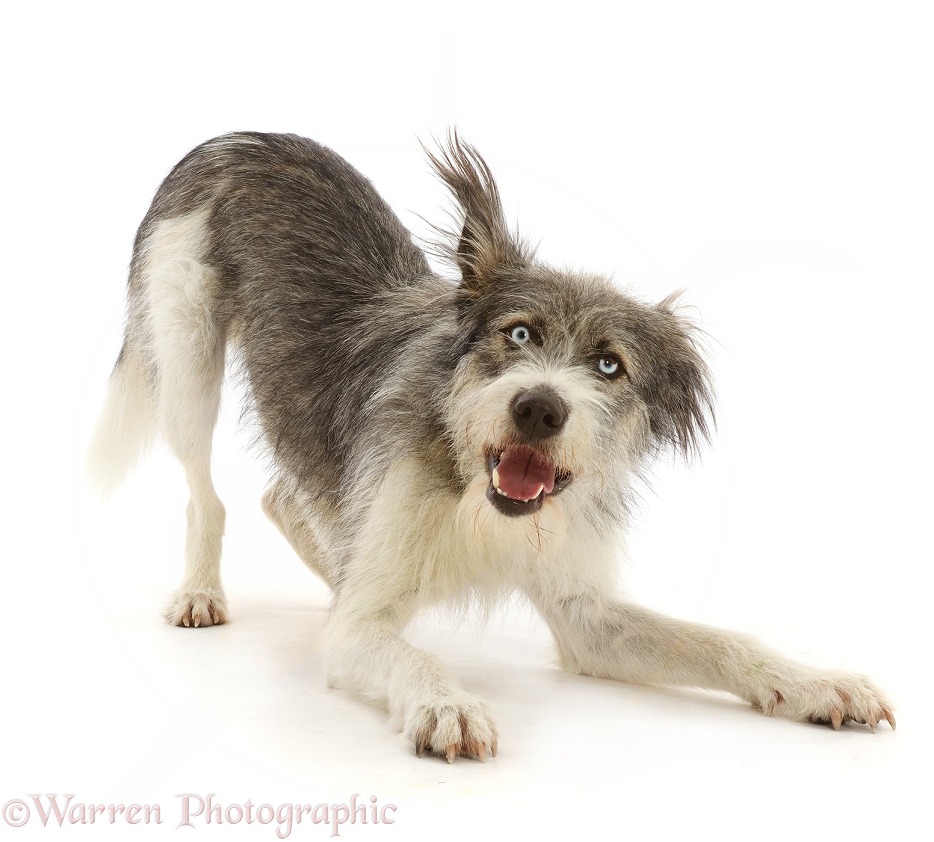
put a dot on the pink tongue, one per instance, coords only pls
(523, 473)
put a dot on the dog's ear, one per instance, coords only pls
(679, 392)
(485, 249)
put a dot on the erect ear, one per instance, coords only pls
(485, 248)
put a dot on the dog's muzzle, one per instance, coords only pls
(521, 478)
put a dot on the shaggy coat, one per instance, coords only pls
(430, 439)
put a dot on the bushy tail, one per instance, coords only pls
(127, 424)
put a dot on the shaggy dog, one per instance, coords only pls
(430, 439)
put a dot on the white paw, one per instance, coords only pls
(194, 608)
(452, 727)
(832, 698)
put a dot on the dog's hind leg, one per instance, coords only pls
(289, 511)
(187, 346)
(200, 599)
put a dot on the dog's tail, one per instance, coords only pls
(127, 424)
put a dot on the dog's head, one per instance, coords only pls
(564, 384)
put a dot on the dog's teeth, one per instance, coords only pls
(496, 479)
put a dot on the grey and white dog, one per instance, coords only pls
(430, 439)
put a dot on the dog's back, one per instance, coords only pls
(270, 235)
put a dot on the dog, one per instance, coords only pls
(429, 438)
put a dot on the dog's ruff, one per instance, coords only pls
(430, 439)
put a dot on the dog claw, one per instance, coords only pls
(835, 700)
(777, 699)
(196, 609)
(493, 747)
(452, 729)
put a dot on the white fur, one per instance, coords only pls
(410, 554)
(290, 508)
(126, 427)
(605, 637)
(188, 349)
(175, 391)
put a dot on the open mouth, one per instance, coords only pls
(521, 478)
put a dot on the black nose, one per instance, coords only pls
(539, 414)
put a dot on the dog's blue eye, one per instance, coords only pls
(520, 334)
(608, 366)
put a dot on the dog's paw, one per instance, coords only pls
(453, 727)
(195, 608)
(828, 699)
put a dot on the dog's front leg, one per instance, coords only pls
(608, 638)
(367, 654)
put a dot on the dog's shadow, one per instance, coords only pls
(514, 674)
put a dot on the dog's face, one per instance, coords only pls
(565, 386)
(563, 383)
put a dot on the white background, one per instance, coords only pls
(773, 160)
